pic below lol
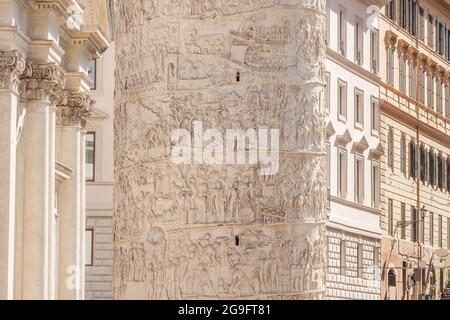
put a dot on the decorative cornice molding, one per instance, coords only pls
(12, 65)
(42, 81)
(74, 108)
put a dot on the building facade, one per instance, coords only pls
(354, 150)
(99, 182)
(415, 135)
(45, 51)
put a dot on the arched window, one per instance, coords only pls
(392, 278)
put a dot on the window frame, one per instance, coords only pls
(94, 133)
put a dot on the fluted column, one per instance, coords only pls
(12, 64)
(38, 89)
(71, 118)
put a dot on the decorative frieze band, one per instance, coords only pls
(41, 81)
(12, 65)
(73, 108)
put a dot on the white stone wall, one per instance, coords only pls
(347, 285)
(99, 276)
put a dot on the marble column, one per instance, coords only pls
(38, 89)
(220, 227)
(71, 118)
(12, 64)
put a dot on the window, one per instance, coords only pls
(421, 24)
(390, 143)
(403, 219)
(89, 243)
(343, 257)
(342, 173)
(92, 73)
(375, 185)
(430, 91)
(342, 31)
(358, 41)
(440, 231)
(392, 278)
(359, 108)
(390, 9)
(360, 257)
(440, 38)
(374, 50)
(342, 100)
(412, 80)
(412, 159)
(390, 217)
(359, 179)
(447, 100)
(430, 33)
(90, 156)
(414, 225)
(422, 85)
(403, 154)
(440, 172)
(375, 116)
(431, 229)
(431, 167)
(439, 97)
(402, 75)
(423, 164)
(390, 65)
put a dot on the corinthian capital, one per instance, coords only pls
(12, 65)
(41, 81)
(74, 108)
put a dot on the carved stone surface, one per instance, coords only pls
(219, 231)
(42, 81)
(12, 65)
(73, 108)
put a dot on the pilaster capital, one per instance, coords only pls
(74, 108)
(42, 81)
(12, 65)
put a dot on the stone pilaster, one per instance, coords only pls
(12, 65)
(199, 230)
(72, 112)
(39, 86)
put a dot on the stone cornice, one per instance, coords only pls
(12, 65)
(41, 81)
(74, 108)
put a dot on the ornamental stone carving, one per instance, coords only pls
(12, 65)
(198, 231)
(73, 108)
(40, 81)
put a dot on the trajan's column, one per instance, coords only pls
(213, 231)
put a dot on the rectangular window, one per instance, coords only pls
(421, 24)
(430, 91)
(92, 73)
(342, 100)
(375, 185)
(359, 179)
(447, 101)
(412, 160)
(422, 85)
(403, 219)
(390, 155)
(342, 173)
(360, 256)
(402, 75)
(431, 229)
(359, 41)
(440, 232)
(440, 37)
(374, 51)
(89, 243)
(343, 257)
(430, 32)
(414, 225)
(390, 9)
(375, 116)
(90, 156)
(390, 217)
(390, 66)
(438, 97)
(359, 108)
(403, 154)
(342, 31)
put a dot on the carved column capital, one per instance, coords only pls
(12, 65)
(74, 108)
(42, 81)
